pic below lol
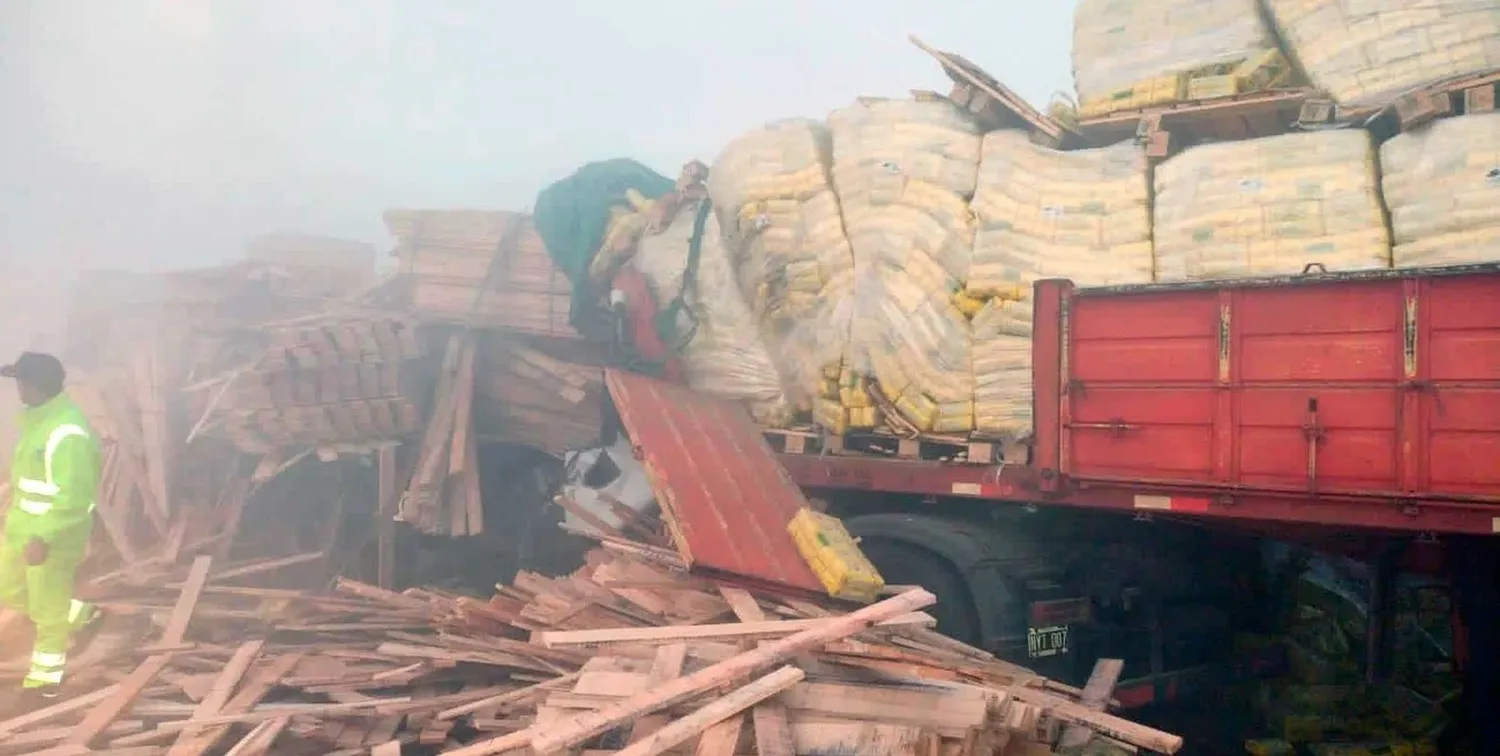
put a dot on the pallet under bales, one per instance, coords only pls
(624, 655)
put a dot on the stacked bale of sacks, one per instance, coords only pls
(904, 171)
(723, 353)
(1365, 53)
(1082, 215)
(1442, 185)
(1137, 53)
(1270, 206)
(783, 231)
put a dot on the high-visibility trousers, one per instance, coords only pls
(44, 593)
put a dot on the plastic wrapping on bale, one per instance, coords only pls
(1082, 215)
(1137, 53)
(1366, 53)
(782, 228)
(1442, 185)
(1270, 206)
(724, 354)
(904, 171)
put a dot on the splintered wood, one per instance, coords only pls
(622, 656)
(443, 496)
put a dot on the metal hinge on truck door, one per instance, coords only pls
(1314, 433)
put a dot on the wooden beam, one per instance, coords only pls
(1097, 693)
(385, 518)
(730, 705)
(676, 633)
(213, 703)
(571, 732)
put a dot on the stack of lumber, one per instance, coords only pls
(481, 267)
(622, 656)
(345, 380)
(156, 364)
(540, 393)
(320, 266)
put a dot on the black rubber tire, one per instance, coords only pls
(905, 564)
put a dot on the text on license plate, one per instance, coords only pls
(1042, 642)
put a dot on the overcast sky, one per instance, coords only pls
(166, 132)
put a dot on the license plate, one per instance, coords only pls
(1043, 642)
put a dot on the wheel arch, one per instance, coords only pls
(961, 545)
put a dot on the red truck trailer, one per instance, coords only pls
(1355, 411)
(1359, 412)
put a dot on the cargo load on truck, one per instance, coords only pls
(904, 171)
(784, 230)
(1442, 185)
(1365, 54)
(1269, 206)
(1132, 55)
(1044, 213)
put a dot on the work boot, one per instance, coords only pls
(32, 699)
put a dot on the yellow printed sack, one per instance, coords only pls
(834, 556)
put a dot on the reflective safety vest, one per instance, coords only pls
(54, 477)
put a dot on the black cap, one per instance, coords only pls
(41, 370)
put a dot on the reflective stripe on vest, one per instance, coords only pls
(34, 507)
(48, 487)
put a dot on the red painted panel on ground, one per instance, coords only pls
(722, 490)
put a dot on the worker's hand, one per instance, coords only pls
(35, 552)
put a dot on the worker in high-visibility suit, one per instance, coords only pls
(53, 480)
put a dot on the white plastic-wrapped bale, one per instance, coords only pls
(1137, 53)
(1270, 206)
(782, 228)
(1442, 185)
(1083, 215)
(723, 353)
(904, 171)
(1364, 53)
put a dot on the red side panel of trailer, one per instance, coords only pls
(1381, 386)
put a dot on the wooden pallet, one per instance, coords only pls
(1477, 93)
(992, 103)
(1170, 128)
(877, 443)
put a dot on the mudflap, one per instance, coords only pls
(1476, 579)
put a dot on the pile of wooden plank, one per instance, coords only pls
(485, 268)
(320, 266)
(347, 381)
(540, 392)
(625, 655)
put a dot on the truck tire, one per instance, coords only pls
(905, 564)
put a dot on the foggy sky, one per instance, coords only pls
(150, 133)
